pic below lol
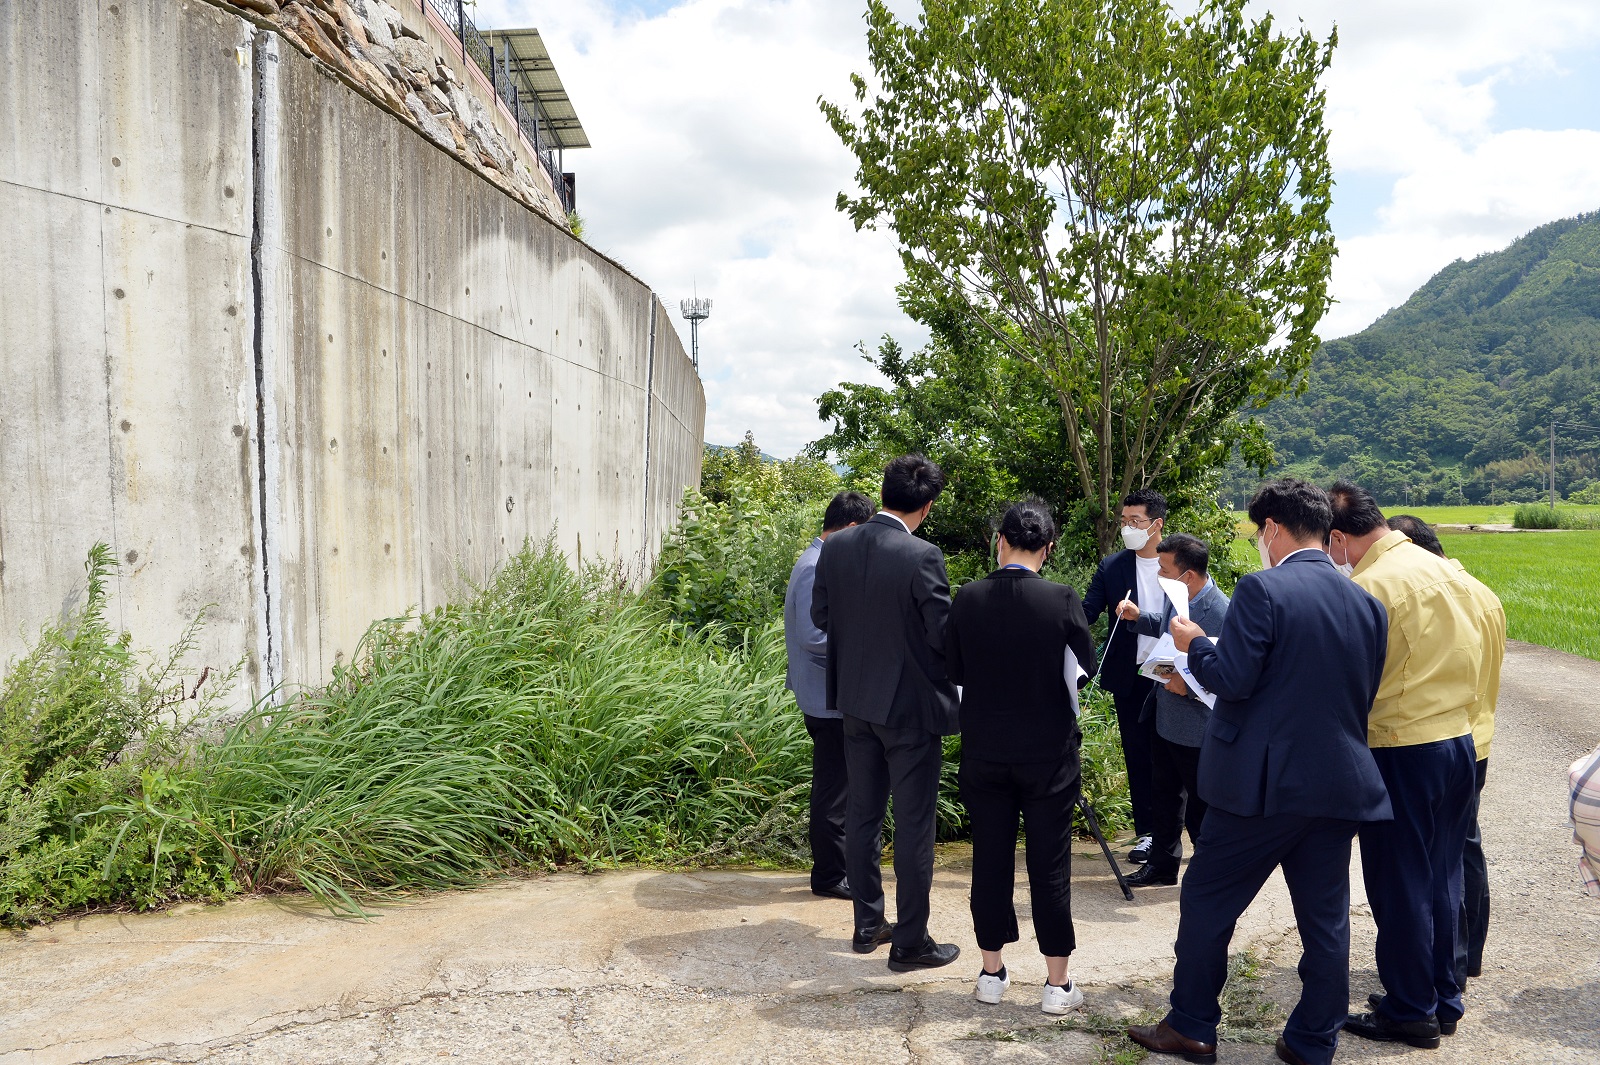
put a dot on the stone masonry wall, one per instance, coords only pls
(388, 56)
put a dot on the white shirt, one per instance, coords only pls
(902, 524)
(1150, 594)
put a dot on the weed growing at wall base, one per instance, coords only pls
(87, 725)
(556, 717)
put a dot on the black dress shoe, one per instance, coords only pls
(1164, 1039)
(1286, 1053)
(930, 955)
(867, 940)
(1150, 876)
(1375, 1026)
(1445, 1027)
(841, 890)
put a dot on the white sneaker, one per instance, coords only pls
(1060, 999)
(991, 987)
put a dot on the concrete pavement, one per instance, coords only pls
(744, 966)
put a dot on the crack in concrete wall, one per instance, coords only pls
(249, 302)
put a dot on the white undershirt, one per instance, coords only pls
(1149, 600)
(896, 517)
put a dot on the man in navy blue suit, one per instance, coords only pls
(1285, 771)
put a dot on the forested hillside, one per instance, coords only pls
(1449, 398)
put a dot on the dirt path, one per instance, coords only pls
(732, 966)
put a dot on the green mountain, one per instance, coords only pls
(1449, 398)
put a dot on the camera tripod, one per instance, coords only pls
(1084, 808)
(1093, 823)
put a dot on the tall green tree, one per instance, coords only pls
(1133, 204)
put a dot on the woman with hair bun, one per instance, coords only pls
(1015, 642)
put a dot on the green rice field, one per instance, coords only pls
(1468, 515)
(1549, 583)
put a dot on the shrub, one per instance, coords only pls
(1535, 516)
(87, 724)
(727, 565)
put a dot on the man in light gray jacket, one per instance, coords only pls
(1180, 715)
(808, 679)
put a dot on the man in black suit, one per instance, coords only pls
(1131, 574)
(1285, 771)
(882, 596)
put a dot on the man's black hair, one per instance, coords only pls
(1420, 532)
(1029, 525)
(846, 508)
(1153, 502)
(910, 482)
(1300, 507)
(1188, 552)
(1355, 512)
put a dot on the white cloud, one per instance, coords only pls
(712, 168)
(713, 171)
(1459, 205)
(1412, 105)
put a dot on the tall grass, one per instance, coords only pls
(553, 718)
(1534, 516)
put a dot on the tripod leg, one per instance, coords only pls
(1105, 848)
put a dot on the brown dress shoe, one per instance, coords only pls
(1286, 1054)
(1163, 1039)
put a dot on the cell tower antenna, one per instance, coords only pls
(696, 310)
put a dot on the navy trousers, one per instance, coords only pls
(1233, 860)
(1136, 740)
(1474, 929)
(1412, 868)
(828, 796)
(903, 762)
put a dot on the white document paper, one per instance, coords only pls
(1181, 664)
(1158, 663)
(1178, 592)
(1072, 672)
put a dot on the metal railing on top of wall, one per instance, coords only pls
(496, 68)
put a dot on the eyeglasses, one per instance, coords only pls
(1131, 522)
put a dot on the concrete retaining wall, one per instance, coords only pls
(289, 358)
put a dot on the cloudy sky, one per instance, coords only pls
(1456, 126)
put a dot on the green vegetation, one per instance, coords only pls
(1534, 516)
(1449, 398)
(85, 722)
(1549, 583)
(552, 718)
(991, 426)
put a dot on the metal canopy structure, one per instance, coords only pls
(533, 76)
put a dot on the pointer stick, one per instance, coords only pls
(1109, 637)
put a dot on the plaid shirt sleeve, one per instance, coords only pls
(1585, 778)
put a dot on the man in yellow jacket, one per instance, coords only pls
(1420, 731)
(1474, 923)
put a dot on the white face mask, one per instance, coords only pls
(1345, 567)
(1261, 547)
(1134, 539)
